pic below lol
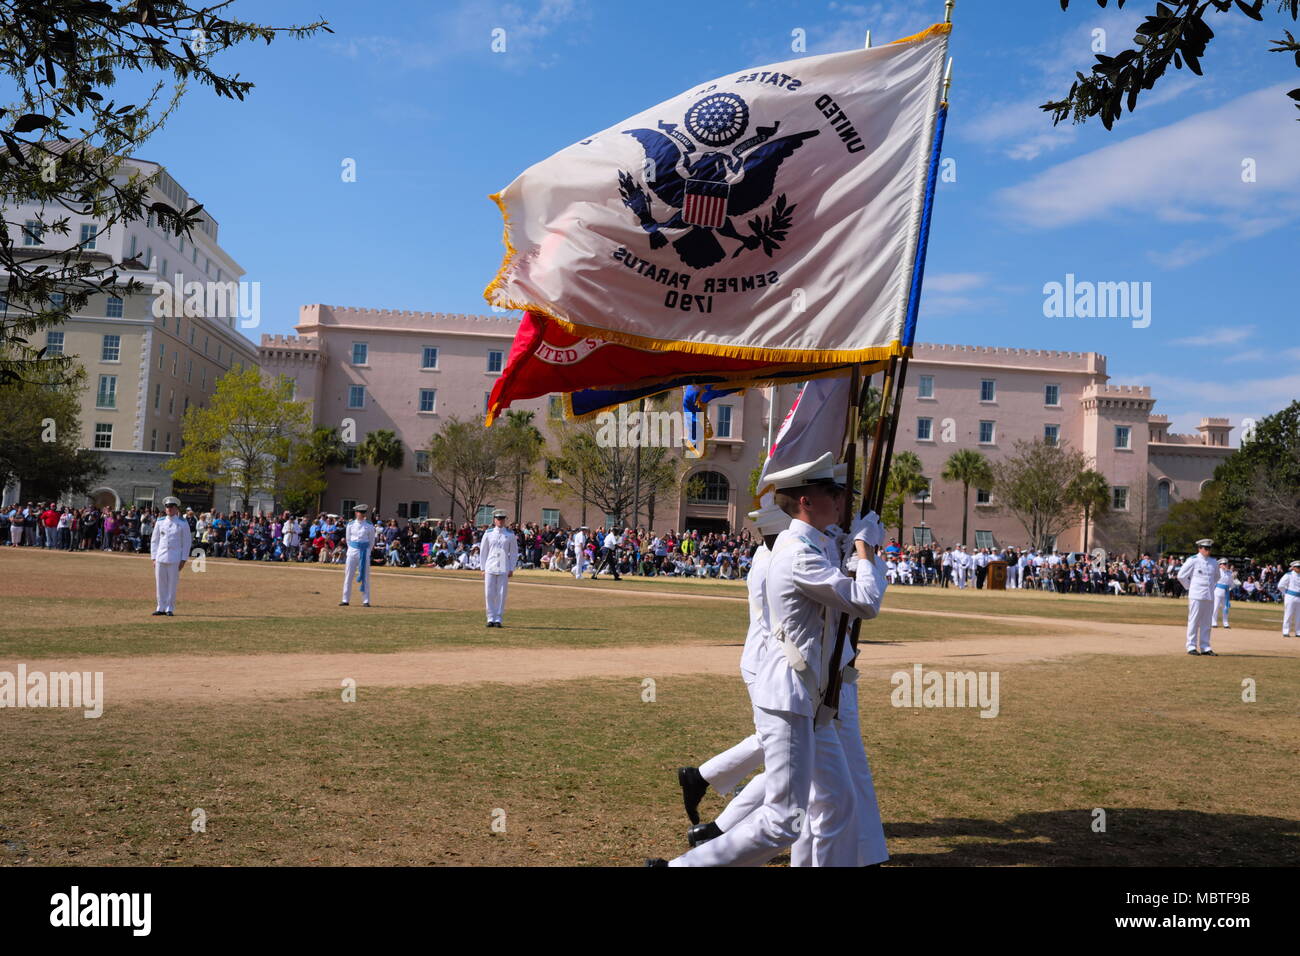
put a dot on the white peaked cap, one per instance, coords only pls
(819, 470)
(1223, 560)
(769, 518)
(1205, 543)
(1295, 564)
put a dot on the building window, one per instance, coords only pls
(428, 399)
(189, 371)
(131, 254)
(988, 390)
(484, 515)
(419, 509)
(495, 357)
(360, 353)
(925, 387)
(922, 537)
(1051, 434)
(1162, 495)
(401, 509)
(422, 463)
(551, 473)
(191, 333)
(54, 343)
(724, 421)
(1052, 395)
(347, 506)
(1123, 436)
(33, 233)
(986, 433)
(157, 396)
(924, 494)
(56, 300)
(1119, 498)
(186, 406)
(162, 350)
(551, 516)
(106, 397)
(430, 357)
(356, 396)
(114, 308)
(103, 435)
(984, 539)
(205, 345)
(153, 439)
(203, 380)
(350, 460)
(983, 496)
(164, 268)
(143, 496)
(168, 446)
(89, 232)
(175, 360)
(925, 429)
(555, 407)
(171, 402)
(715, 488)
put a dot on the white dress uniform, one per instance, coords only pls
(498, 553)
(169, 545)
(1289, 585)
(1222, 593)
(1199, 574)
(579, 541)
(803, 582)
(360, 537)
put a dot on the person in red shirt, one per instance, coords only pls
(49, 520)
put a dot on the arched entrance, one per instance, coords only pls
(105, 498)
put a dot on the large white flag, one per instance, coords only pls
(770, 214)
(814, 426)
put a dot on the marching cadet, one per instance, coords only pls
(499, 553)
(804, 583)
(1289, 585)
(1223, 595)
(728, 768)
(1199, 575)
(169, 546)
(360, 537)
(961, 564)
(579, 542)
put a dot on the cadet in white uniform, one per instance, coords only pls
(804, 582)
(579, 541)
(1289, 585)
(1222, 595)
(499, 553)
(169, 546)
(360, 536)
(1199, 575)
(728, 768)
(960, 564)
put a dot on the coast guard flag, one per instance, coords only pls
(814, 426)
(771, 215)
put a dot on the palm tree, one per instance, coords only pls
(522, 446)
(324, 449)
(1090, 493)
(970, 468)
(905, 480)
(383, 449)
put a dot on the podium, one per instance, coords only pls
(997, 579)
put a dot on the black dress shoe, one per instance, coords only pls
(170, 614)
(343, 603)
(1208, 654)
(1194, 652)
(693, 789)
(656, 861)
(703, 833)
(158, 613)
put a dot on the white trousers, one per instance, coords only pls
(1290, 615)
(871, 832)
(731, 766)
(350, 568)
(165, 576)
(494, 593)
(1199, 615)
(830, 836)
(788, 751)
(579, 563)
(1220, 608)
(743, 804)
(960, 574)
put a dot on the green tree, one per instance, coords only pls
(905, 481)
(463, 464)
(1090, 493)
(1177, 33)
(301, 481)
(383, 449)
(65, 140)
(244, 436)
(40, 430)
(1260, 491)
(521, 448)
(1033, 483)
(1191, 520)
(604, 472)
(969, 467)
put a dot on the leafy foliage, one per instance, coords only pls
(40, 435)
(1034, 483)
(1259, 513)
(969, 467)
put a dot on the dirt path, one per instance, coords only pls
(292, 676)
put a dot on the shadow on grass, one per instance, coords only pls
(1133, 837)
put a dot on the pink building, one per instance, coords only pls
(410, 371)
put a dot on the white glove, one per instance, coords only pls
(868, 529)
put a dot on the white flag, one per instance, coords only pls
(814, 426)
(770, 214)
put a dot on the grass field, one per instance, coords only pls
(1099, 708)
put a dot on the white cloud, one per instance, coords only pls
(955, 281)
(1228, 336)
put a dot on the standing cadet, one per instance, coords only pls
(169, 547)
(579, 542)
(1222, 595)
(359, 537)
(1289, 585)
(731, 766)
(499, 553)
(804, 582)
(1199, 575)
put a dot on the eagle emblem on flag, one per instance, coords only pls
(707, 189)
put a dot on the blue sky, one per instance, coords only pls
(436, 121)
